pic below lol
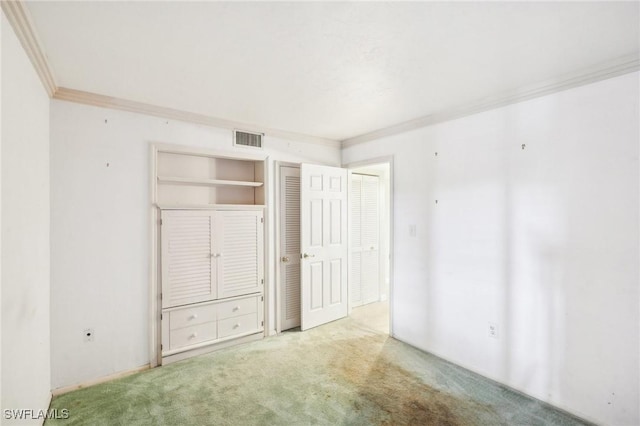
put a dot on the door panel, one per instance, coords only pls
(290, 247)
(365, 237)
(238, 249)
(323, 221)
(188, 270)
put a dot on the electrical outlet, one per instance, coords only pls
(88, 335)
(494, 330)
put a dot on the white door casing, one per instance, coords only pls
(323, 220)
(289, 247)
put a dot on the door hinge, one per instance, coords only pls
(161, 347)
(262, 220)
(262, 281)
(262, 323)
(262, 298)
(160, 222)
(160, 317)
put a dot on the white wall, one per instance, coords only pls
(100, 230)
(25, 232)
(542, 242)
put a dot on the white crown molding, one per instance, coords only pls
(94, 99)
(18, 16)
(619, 66)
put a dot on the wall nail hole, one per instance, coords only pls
(436, 201)
(107, 164)
(523, 146)
(105, 121)
(436, 154)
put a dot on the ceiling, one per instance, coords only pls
(326, 69)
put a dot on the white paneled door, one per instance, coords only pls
(323, 238)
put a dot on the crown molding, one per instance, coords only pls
(88, 98)
(603, 71)
(18, 16)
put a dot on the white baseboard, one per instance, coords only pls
(99, 380)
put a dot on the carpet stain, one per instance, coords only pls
(398, 396)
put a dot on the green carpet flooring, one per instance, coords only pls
(339, 374)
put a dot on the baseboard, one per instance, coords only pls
(579, 416)
(119, 375)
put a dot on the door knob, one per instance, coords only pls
(285, 259)
(308, 255)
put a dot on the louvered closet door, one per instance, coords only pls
(289, 247)
(370, 239)
(238, 249)
(355, 284)
(188, 270)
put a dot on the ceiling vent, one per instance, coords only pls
(253, 140)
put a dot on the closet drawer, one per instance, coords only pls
(190, 316)
(236, 308)
(237, 325)
(192, 335)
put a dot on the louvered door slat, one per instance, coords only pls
(356, 211)
(370, 212)
(188, 273)
(356, 278)
(239, 241)
(370, 276)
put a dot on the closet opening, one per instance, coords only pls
(368, 254)
(369, 248)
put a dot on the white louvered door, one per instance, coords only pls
(365, 246)
(238, 250)
(323, 234)
(188, 270)
(355, 282)
(370, 239)
(289, 247)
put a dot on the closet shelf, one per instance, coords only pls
(210, 206)
(207, 182)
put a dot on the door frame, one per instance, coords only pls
(370, 162)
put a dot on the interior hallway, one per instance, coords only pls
(341, 373)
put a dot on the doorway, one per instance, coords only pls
(369, 234)
(370, 230)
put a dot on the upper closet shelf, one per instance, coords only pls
(207, 182)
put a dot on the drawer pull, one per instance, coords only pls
(237, 325)
(194, 316)
(193, 335)
(236, 308)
